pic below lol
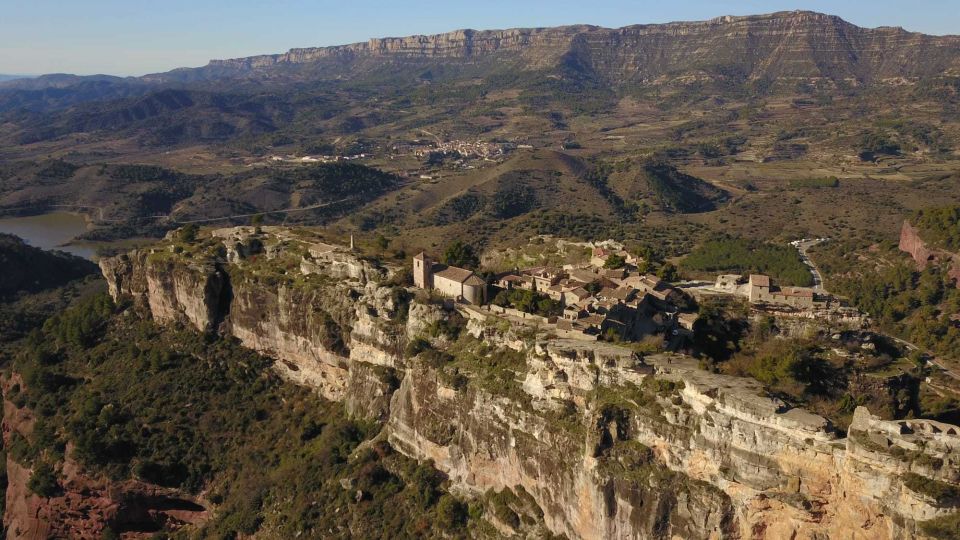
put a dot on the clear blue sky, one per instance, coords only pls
(133, 37)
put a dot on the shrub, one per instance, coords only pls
(614, 261)
(416, 346)
(941, 492)
(944, 527)
(43, 480)
(451, 513)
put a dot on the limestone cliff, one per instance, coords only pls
(780, 45)
(607, 443)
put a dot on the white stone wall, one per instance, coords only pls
(447, 287)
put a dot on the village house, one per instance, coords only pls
(457, 283)
(543, 278)
(761, 291)
(600, 255)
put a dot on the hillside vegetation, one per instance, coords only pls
(180, 410)
(27, 269)
(742, 256)
(939, 227)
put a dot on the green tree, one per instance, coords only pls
(668, 272)
(460, 254)
(188, 233)
(43, 481)
(451, 513)
(614, 261)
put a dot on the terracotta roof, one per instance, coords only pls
(453, 273)
(759, 280)
(580, 293)
(474, 281)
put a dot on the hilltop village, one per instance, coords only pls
(584, 301)
(451, 368)
(609, 298)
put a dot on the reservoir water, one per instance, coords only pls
(50, 231)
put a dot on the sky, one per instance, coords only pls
(135, 37)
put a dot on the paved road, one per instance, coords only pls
(933, 359)
(802, 247)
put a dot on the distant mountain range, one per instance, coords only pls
(797, 44)
(726, 56)
(4, 77)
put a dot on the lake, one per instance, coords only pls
(51, 231)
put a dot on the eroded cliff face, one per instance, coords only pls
(607, 444)
(86, 506)
(912, 243)
(777, 45)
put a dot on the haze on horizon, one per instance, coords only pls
(126, 38)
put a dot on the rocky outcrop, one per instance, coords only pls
(171, 288)
(86, 506)
(923, 254)
(607, 443)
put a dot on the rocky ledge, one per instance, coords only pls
(608, 443)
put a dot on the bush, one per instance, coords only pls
(614, 261)
(43, 480)
(451, 514)
(188, 233)
(416, 346)
(943, 528)
(871, 144)
(460, 254)
(941, 492)
(529, 302)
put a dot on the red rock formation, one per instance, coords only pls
(86, 505)
(910, 242)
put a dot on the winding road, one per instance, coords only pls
(933, 360)
(802, 247)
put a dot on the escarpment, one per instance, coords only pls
(783, 45)
(606, 442)
(913, 244)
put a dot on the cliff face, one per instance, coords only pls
(912, 243)
(778, 45)
(606, 443)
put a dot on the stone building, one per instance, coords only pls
(761, 291)
(457, 283)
